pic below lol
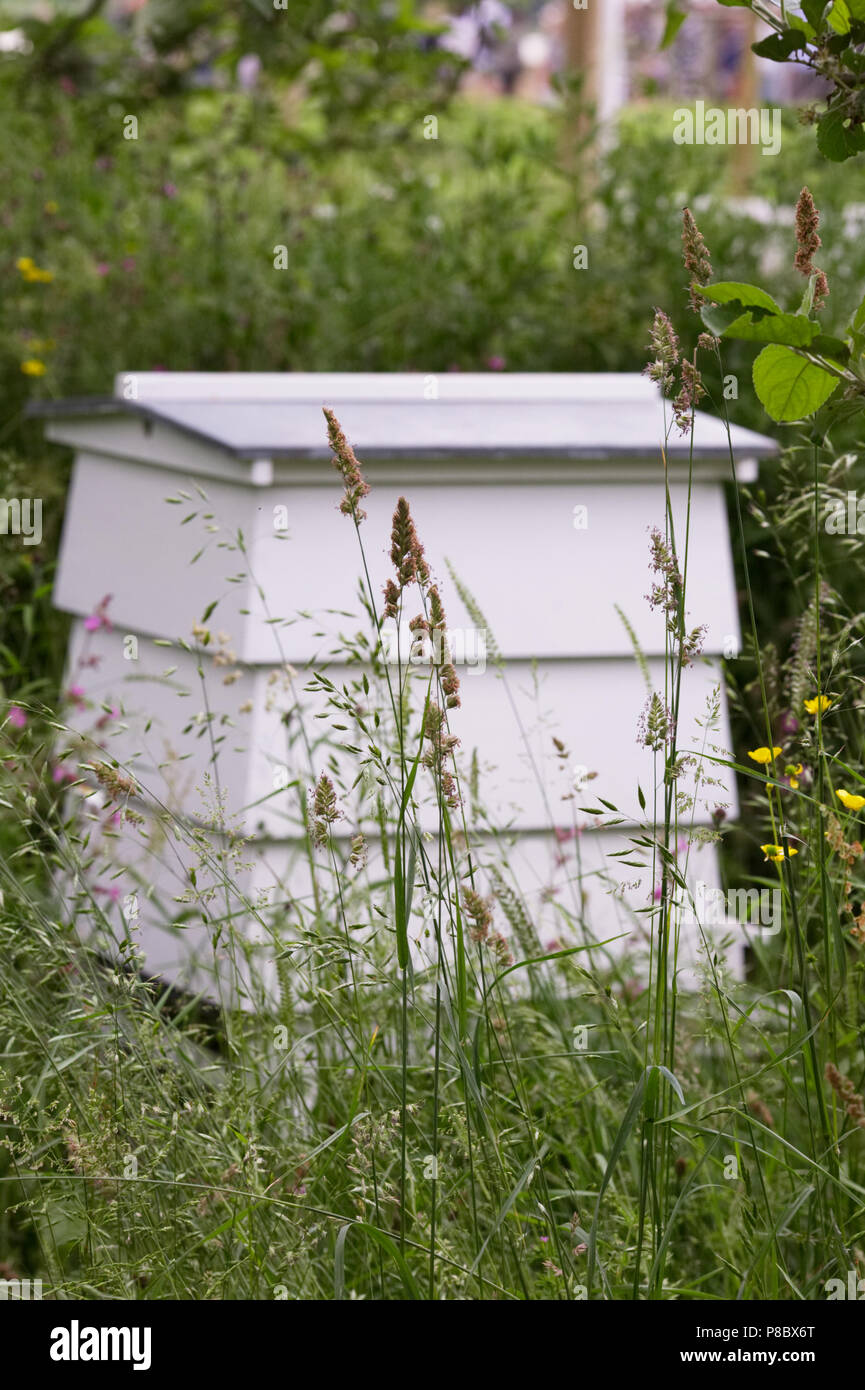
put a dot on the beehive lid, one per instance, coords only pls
(411, 415)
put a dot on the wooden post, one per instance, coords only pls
(746, 94)
(583, 61)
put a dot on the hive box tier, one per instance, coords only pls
(211, 500)
(163, 716)
(572, 893)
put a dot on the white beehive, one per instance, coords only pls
(540, 490)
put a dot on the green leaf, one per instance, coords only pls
(788, 386)
(791, 329)
(668, 1076)
(522, 1182)
(831, 137)
(629, 1119)
(719, 317)
(731, 291)
(645, 1089)
(856, 8)
(403, 890)
(674, 21)
(835, 139)
(390, 1249)
(778, 47)
(403, 886)
(339, 1265)
(828, 346)
(551, 955)
(813, 12)
(839, 17)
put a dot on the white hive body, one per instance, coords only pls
(537, 492)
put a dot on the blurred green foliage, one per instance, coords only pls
(432, 254)
(428, 253)
(359, 66)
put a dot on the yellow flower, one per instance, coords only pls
(51, 207)
(776, 853)
(819, 702)
(33, 367)
(793, 772)
(764, 755)
(850, 801)
(31, 272)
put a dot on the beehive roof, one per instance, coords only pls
(393, 415)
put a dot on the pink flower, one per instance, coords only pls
(105, 719)
(17, 717)
(75, 694)
(632, 989)
(496, 364)
(169, 190)
(62, 774)
(248, 71)
(113, 892)
(99, 617)
(102, 267)
(129, 264)
(563, 833)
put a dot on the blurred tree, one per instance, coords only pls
(367, 70)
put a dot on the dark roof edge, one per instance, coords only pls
(73, 405)
(114, 405)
